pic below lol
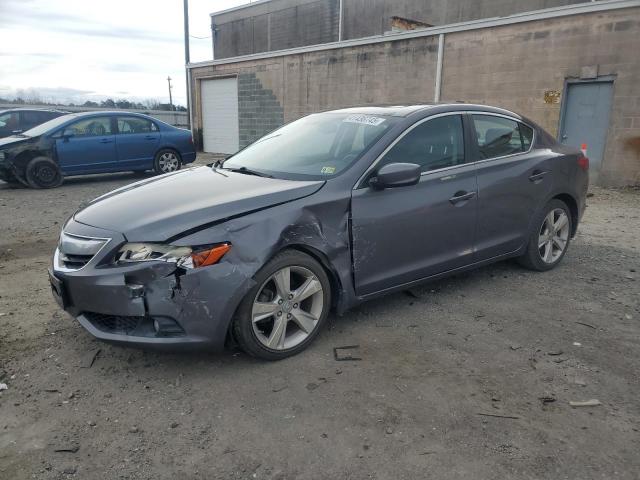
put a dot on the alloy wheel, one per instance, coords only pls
(553, 236)
(287, 308)
(168, 162)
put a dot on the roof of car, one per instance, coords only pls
(107, 112)
(408, 109)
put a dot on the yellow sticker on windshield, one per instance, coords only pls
(328, 170)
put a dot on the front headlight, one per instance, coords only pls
(2, 157)
(185, 257)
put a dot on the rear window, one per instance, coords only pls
(499, 136)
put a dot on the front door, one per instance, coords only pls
(585, 119)
(86, 146)
(409, 233)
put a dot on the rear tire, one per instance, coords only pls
(167, 161)
(286, 309)
(42, 172)
(550, 238)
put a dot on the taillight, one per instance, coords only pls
(583, 162)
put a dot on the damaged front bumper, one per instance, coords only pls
(146, 304)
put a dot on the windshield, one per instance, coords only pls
(47, 126)
(317, 146)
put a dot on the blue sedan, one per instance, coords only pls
(93, 142)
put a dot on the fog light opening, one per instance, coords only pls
(167, 327)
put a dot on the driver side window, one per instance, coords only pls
(91, 127)
(434, 144)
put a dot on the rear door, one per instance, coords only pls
(89, 147)
(408, 233)
(137, 141)
(514, 179)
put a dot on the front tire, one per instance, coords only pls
(285, 310)
(550, 237)
(42, 172)
(167, 161)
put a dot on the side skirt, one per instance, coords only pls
(438, 276)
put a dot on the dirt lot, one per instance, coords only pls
(469, 377)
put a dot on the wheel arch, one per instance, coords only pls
(323, 260)
(24, 157)
(18, 165)
(313, 252)
(167, 147)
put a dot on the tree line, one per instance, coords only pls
(149, 104)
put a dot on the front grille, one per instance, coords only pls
(74, 252)
(114, 323)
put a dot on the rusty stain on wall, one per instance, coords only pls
(552, 96)
(633, 143)
(403, 24)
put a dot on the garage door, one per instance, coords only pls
(220, 115)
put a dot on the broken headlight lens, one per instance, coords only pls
(186, 257)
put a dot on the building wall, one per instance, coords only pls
(282, 24)
(510, 66)
(365, 18)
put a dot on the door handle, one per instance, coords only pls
(537, 176)
(461, 196)
(106, 140)
(150, 137)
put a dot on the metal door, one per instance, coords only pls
(585, 118)
(220, 128)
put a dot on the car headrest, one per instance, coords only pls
(497, 135)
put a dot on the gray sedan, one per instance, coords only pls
(324, 213)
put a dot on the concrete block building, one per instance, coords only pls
(572, 66)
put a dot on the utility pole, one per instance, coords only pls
(170, 95)
(187, 57)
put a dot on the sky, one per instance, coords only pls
(78, 50)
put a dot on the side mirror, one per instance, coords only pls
(396, 175)
(68, 133)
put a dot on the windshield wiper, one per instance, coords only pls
(247, 171)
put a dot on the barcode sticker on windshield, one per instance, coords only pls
(364, 119)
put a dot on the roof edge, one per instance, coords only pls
(239, 7)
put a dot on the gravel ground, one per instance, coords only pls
(469, 377)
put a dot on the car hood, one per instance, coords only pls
(161, 208)
(8, 142)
